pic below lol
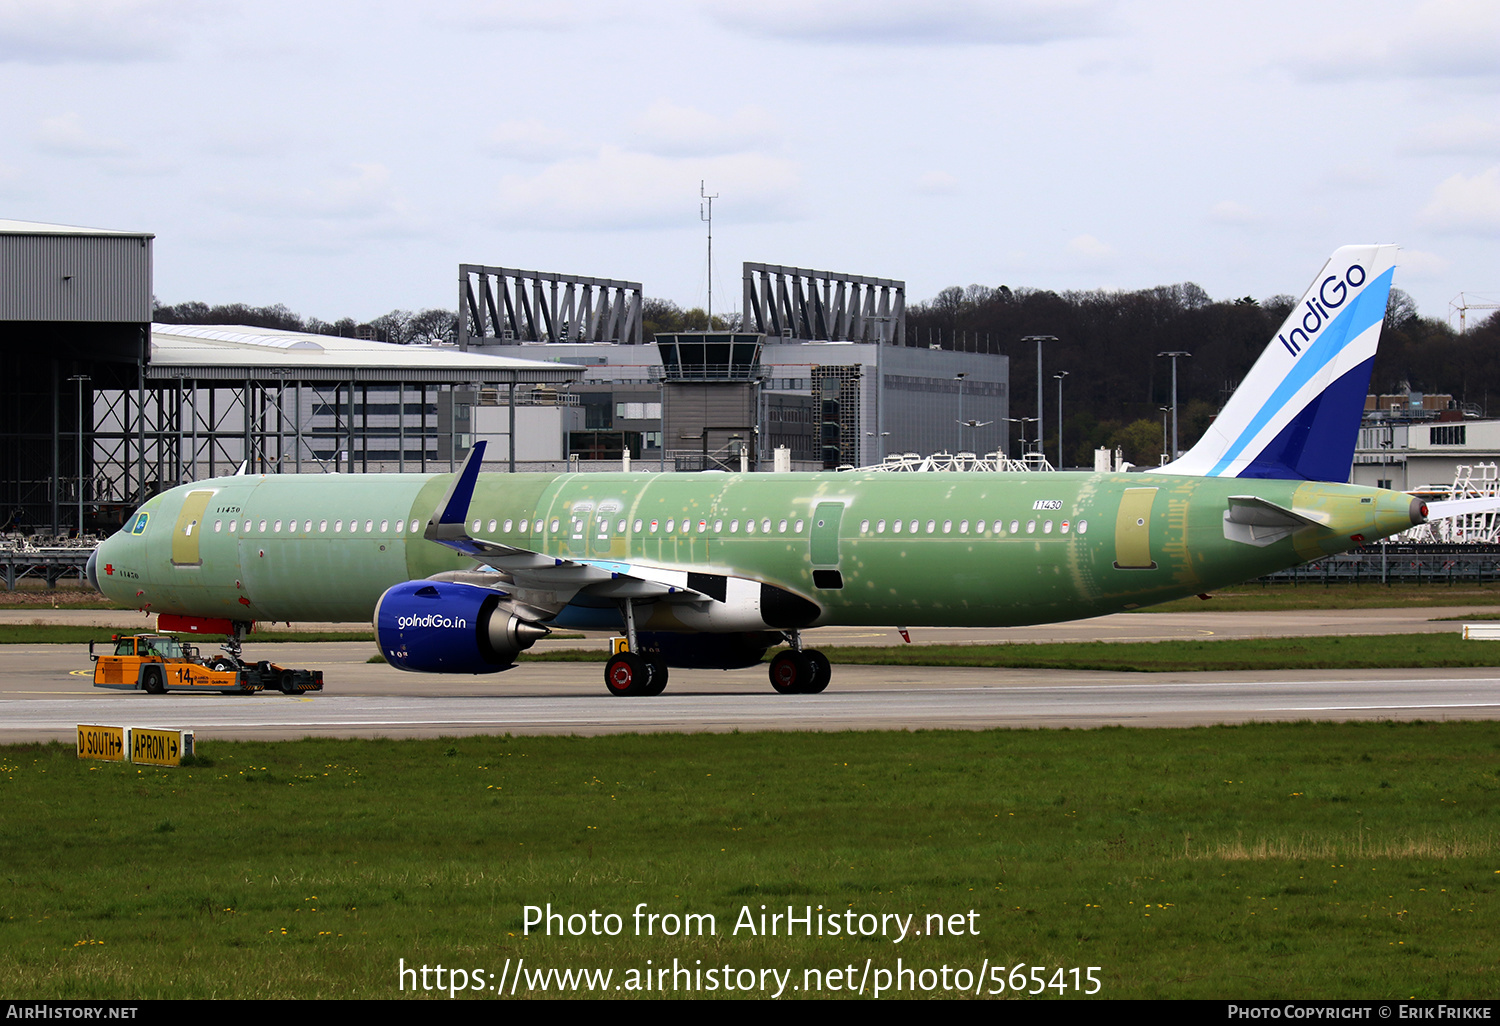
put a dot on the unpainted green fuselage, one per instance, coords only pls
(973, 549)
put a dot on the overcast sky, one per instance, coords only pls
(345, 158)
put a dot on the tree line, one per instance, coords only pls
(403, 327)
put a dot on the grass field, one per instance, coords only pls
(1312, 860)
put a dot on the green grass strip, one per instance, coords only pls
(1305, 860)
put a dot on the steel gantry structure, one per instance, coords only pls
(499, 305)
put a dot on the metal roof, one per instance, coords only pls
(11, 227)
(236, 352)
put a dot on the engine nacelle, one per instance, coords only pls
(447, 627)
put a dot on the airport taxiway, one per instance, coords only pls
(45, 690)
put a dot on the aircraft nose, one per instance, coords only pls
(92, 568)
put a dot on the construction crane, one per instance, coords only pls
(1462, 304)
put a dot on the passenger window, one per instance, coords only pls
(554, 525)
(783, 527)
(472, 530)
(322, 525)
(218, 524)
(671, 524)
(637, 527)
(1063, 527)
(262, 527)
(880, 527)
(931, 525)
(653, 526)
(415, 525)
(1031, 527)
(749, 526)
(338, 525)
(508, 525)
(913, 527)
(621, 527)
(947, 527)
(896, 527)
(493, 525)
(1083, 527)
(734, 527)
(1047, 527)
(864, 527)
(765, 526)
(798, 528)
(963, 527)
(1015, 525)
(307, 527)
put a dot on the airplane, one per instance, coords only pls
(462, 572)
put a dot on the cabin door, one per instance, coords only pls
(1133, 530)
(189, 527)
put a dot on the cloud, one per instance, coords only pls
(535, 15)
(1089, 249)
(1466, 206)
(1421, 265)
(937, 183)
(617, 189)
(1443, 39)
(362, 203)
(1231, 212)
(1462, 135)
(671, 130)
(535, 141)
(65, 136)
(94, 31)
(901, 23)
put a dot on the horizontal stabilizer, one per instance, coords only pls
(1462, 507)
(1254, 511)
(1252, 520)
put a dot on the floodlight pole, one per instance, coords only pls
(1040, 423)
(1059, 376)
(1174, 355)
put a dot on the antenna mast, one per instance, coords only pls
(709, 217)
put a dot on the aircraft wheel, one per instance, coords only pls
(791, 672)
(627, 674)
(658, 677)
(154, 682)
(221, 663)
(822, 672)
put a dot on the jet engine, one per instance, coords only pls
(447, 627)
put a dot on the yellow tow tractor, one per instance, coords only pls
(156, 663)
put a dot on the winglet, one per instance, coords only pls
(447, 521)
(1296, 415)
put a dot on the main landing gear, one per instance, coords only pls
(627, 673)
(799, 671)
(796, 671)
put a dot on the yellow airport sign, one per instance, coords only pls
(100, 742)
(153, 747)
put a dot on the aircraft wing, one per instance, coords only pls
(543, 581)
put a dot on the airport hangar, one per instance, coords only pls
(101, 408)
